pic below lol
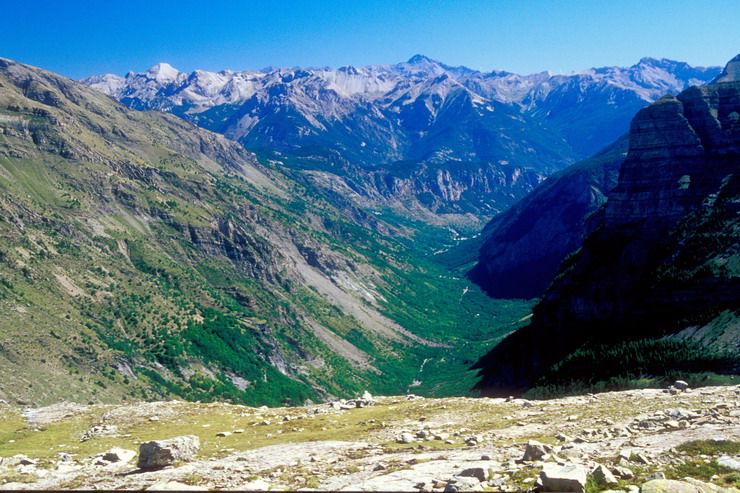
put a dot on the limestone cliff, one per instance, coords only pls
(665, 255)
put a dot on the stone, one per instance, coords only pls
(367, 396)
(668, 486)
(680, 385)
(657, 475)
(459, 483)
(223, 434)
(642, 459)
(623, 472)
(474, 472)
(569, 477)
(534, 451)
(65, 457)
(603, 476)
(118, 455)
(730, 462)
(160, 453)
(405, 438)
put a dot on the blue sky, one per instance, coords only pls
(80, 38)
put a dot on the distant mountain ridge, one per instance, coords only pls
(396, 107)
(445, 144)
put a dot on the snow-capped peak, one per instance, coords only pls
(163, 72)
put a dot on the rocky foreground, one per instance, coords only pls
(648, 440)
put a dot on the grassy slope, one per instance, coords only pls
(142, 257)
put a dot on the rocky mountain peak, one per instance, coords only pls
(420, 59)
(731, 72)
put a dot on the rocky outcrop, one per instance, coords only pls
(160, 453)
(664, 255)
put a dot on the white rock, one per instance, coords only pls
(730, 462)
(569, 477)
(405, 438)
(118, 455)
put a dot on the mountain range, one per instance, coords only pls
(421, 136)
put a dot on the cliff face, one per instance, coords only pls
(524, 246)
(665, 254)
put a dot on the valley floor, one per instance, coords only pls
(405, 443)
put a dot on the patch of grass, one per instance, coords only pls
(697, 469)
(710, 447)
(193, 479)
(17, 477)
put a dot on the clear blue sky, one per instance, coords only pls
(80, 38)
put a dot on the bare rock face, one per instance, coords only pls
(160, 453)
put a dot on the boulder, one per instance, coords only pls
(668, 486)
(727, 461)
(160, 453)
(406, 438)
(603, 476)
(623, 472)
(534, 451)
(460, 483)
(118, 455)
(569, 477)
(680, 385)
